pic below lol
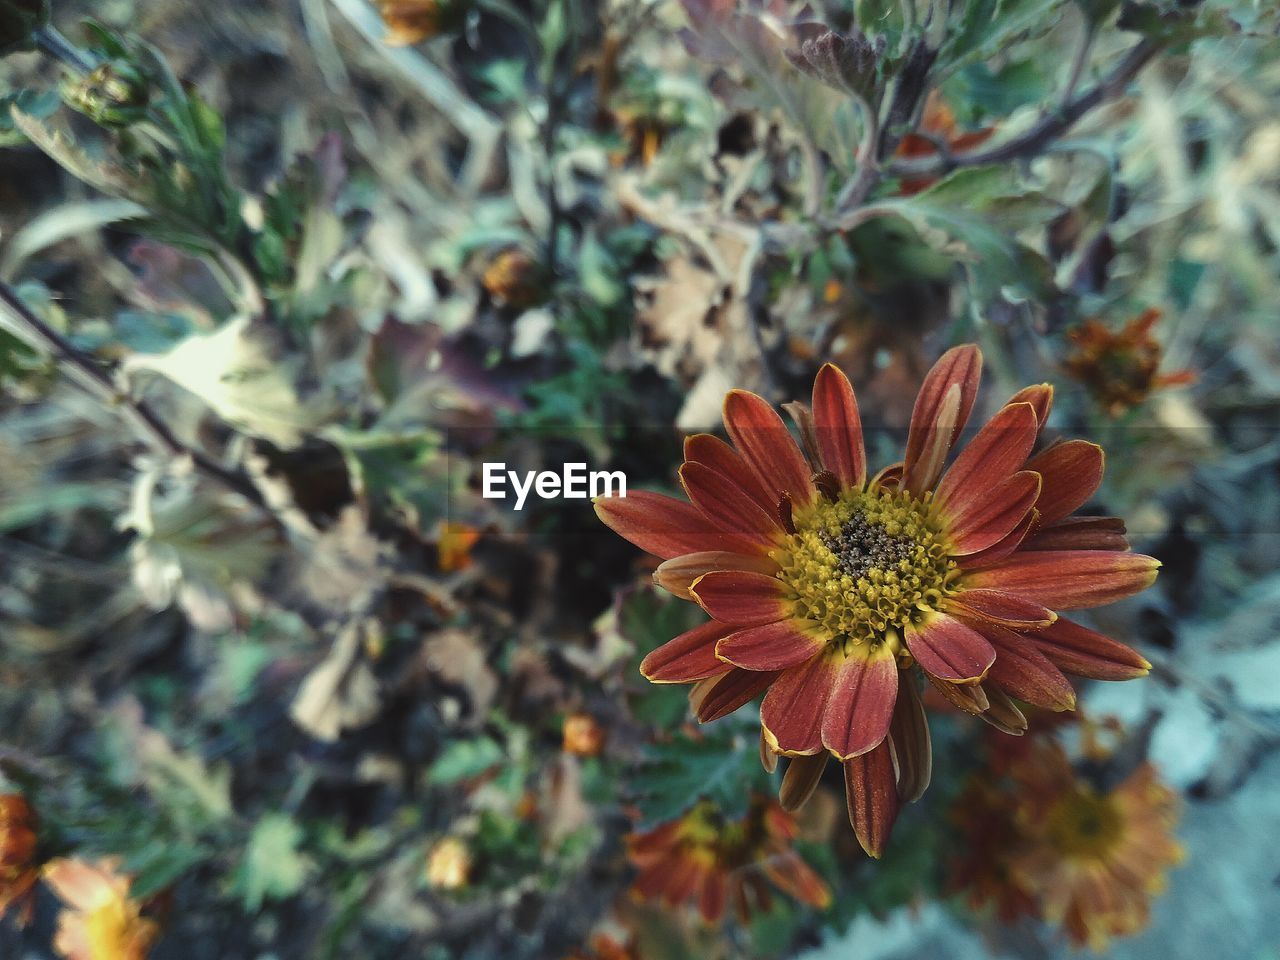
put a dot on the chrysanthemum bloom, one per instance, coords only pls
(18, 871)
(449, 864)
(704, 859)
(983, 816)
(583, 736)
(833, 592)
(100, 920)
(1093, 857)
(515, 278)
(1121, 369)
(412, 21)
(938, 130)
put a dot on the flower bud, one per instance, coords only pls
(115, 94)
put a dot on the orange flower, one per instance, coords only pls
(412, 21)
(516, 278)
(833, 592)
(100, 922)
(583, 736)
(18, 872)
(453, 548)
(1050, 842)
(703, 859)
(938, 126)
(1121, 369)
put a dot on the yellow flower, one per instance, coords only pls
(100, 921)
(449, 864)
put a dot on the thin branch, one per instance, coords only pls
(85, 371)
(1048, 128)
(855, 192)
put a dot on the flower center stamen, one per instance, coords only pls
(866, 565)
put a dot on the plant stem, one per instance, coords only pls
(51, 41)
(85, 371)
(1048, 128)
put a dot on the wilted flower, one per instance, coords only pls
(412, 21)
(516, 278)
(18, 872)
(583, 735)
(704, 859)
(938, 131)
(1121, 369)
(449, 864)
(834, 592)
(850, 63)
(1047, 841)
(100, 921)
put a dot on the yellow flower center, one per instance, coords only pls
(115, 931)
(866, 565)
(1083, 824)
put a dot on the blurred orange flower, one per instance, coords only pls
(1121, 369)
(583, 736)
(453, 547)
(18, 872)
(516, 278)
(1049, 842)
(704, 859)
(938, 128)
(100, 921)
(412, 21)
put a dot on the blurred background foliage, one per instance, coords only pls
(280, 277)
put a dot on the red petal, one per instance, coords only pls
(1024, 672)
(1040, 397)
(711, 903)
(741, 598)
(689, 657)
(872, 798)
(667, 527)
(941, 410)
(1068, 579)
(857, 715)
(1002, 608)
(791, 713)
(1080, 533)
(1072, 471)
(838, 426)
(909, 740)
(729, 506)
(767, 446)
(987, 519)
(719, 456)
(801, 780)
(775, 646)
(1005, 548)
(945, 648)
(998, 451)
(1003, 713)
(1086, 653)
(797, 879)
(969, 697)
(719, 696)
(678, 574)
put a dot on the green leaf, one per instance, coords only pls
(648, 618)
(973, 217)
(723, 768)
(977, 93)
(987, 27)
(1169, 23)
(464, 759)
(272, 868)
